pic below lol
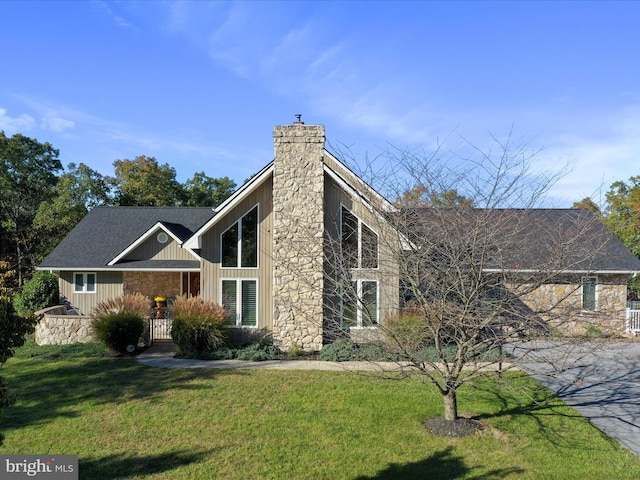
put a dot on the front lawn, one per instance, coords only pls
(126, 420)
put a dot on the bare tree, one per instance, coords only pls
(471, 281)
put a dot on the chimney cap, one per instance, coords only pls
(299, 119)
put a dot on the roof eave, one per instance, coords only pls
(194, 242)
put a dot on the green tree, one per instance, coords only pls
(143, 182)
(28, 171)
(622, 216)
(622, 212)
(422, 196)
(588, 204)
(38, 293)
(76, 192)
(205, 191)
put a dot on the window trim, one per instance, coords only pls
(238, 222)
(595, 293)
(85, 282)
(360, 249)
(238, 281)
(359, 310)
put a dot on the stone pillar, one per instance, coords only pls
(298, 232)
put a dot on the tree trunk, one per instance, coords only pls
(450, 405)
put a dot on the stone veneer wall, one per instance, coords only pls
(152, 283)
(298, 231)
(56, 328)
(568, 316)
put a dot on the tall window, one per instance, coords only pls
(359, 243)
(84, 282)
(360, 304)
(240, 242)
(589, 297)
(240, 299)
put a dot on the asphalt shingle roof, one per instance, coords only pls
(534, 238)
(105, 232)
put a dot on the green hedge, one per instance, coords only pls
(38, 293)
(119, 330)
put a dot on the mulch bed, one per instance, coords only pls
(462, 427)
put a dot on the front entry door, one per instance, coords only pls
(191, 284)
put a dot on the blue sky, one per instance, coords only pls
(200, 85)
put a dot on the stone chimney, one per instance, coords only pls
(298, 232)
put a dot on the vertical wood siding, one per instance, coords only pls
(154, 250)
(387, 272)
(108, 285)
(213, 273)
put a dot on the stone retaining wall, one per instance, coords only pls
(63, 330)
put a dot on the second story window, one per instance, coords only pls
(240, 242)
(359, 243)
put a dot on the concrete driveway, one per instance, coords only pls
(602, 382)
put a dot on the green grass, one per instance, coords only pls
(128, 421)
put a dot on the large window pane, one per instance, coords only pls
(249, 303)
(369, 247)
(359, 243)
(350, 306)
(349, 239)
(230, 247)
(360, 304)
(369, 303)
(249, 243)
(230, 299)
(589, 293)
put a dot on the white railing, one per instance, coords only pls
(632, 323)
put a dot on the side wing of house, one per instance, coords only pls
(126, 250)
(585, 269)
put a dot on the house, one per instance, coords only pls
(273, 253)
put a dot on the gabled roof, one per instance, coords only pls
(193, 244)
(567, 240)
(341, 175)
(105, 234)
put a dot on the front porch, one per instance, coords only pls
(632, 318)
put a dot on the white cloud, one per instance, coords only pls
(56, 124)
(109, 12)
(598, 159)
(13, 125)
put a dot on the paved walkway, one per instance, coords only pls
(603, 385)
(161, 355)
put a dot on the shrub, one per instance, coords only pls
(258, 352)
(138, 304)
(119, 330)
(38, 293)
(342, 350)
(13, 329)
(295, 350)
(410, 331)
(119, 322)
(198, 327)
